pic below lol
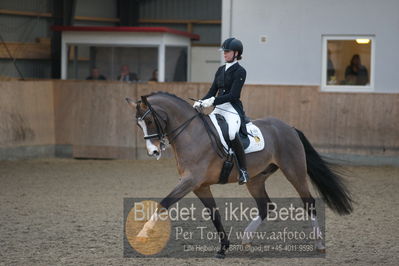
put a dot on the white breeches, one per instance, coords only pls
(231, 116)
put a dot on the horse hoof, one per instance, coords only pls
(220, 255)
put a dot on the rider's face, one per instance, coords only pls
(228, 56)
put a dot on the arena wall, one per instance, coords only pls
(86, 119)
(26, 119)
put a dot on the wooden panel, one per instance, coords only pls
(91, 114)
(97, 19)
(334, 122)
(25, 13)
(43, 40)
(94, 118)
(26, 113)
(25, 50)
(50, 15)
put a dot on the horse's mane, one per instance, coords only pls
(164, 93)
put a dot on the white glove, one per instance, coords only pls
(197, 104)
(208, 102)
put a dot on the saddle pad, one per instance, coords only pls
(257, 142)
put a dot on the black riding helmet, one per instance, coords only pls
(233, 44)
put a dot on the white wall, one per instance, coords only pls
(204, 63)
(294, 29)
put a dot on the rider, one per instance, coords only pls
(228, 83)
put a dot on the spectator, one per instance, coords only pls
(95, 75)
(330, 69)
(126, 75)
(356, 73)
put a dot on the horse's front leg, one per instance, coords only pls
(205, 195)
(186, 185)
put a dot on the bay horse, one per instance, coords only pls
(166, 117)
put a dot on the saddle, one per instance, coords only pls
(250, 135)
(243, 133)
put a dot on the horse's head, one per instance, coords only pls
(152, 123)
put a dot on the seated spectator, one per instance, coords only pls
(330, 69)
(154, 76)
(95, 75)
(126, 75)
(356, 73)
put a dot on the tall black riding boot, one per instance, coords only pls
(242, 163)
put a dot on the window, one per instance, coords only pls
(140, 63)
(348, 63)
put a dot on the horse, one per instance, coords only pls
(167, 119)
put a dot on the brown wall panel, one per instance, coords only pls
(26, 113)
(362, 123)
(95, 120)
(93, 114)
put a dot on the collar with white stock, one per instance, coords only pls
(229, 64)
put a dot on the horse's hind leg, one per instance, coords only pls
(256, 188)
(206, 197)
(295, 171)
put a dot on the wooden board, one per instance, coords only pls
(363, 123)
(93, 114)
(93, 117)
(26, 113)
(20, 50)
(50, 15)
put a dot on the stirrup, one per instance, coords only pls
(243, 179)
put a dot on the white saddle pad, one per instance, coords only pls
(257, 142)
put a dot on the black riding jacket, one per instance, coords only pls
(228, 85)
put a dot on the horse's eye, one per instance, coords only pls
(149, 122)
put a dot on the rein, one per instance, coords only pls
(161, 134)
(182, 127)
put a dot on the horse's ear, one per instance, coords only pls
(131, 102)
(143, 102)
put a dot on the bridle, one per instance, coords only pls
(167, 138)
(164, 137)
(161, 134)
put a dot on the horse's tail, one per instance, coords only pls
(327, 180)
